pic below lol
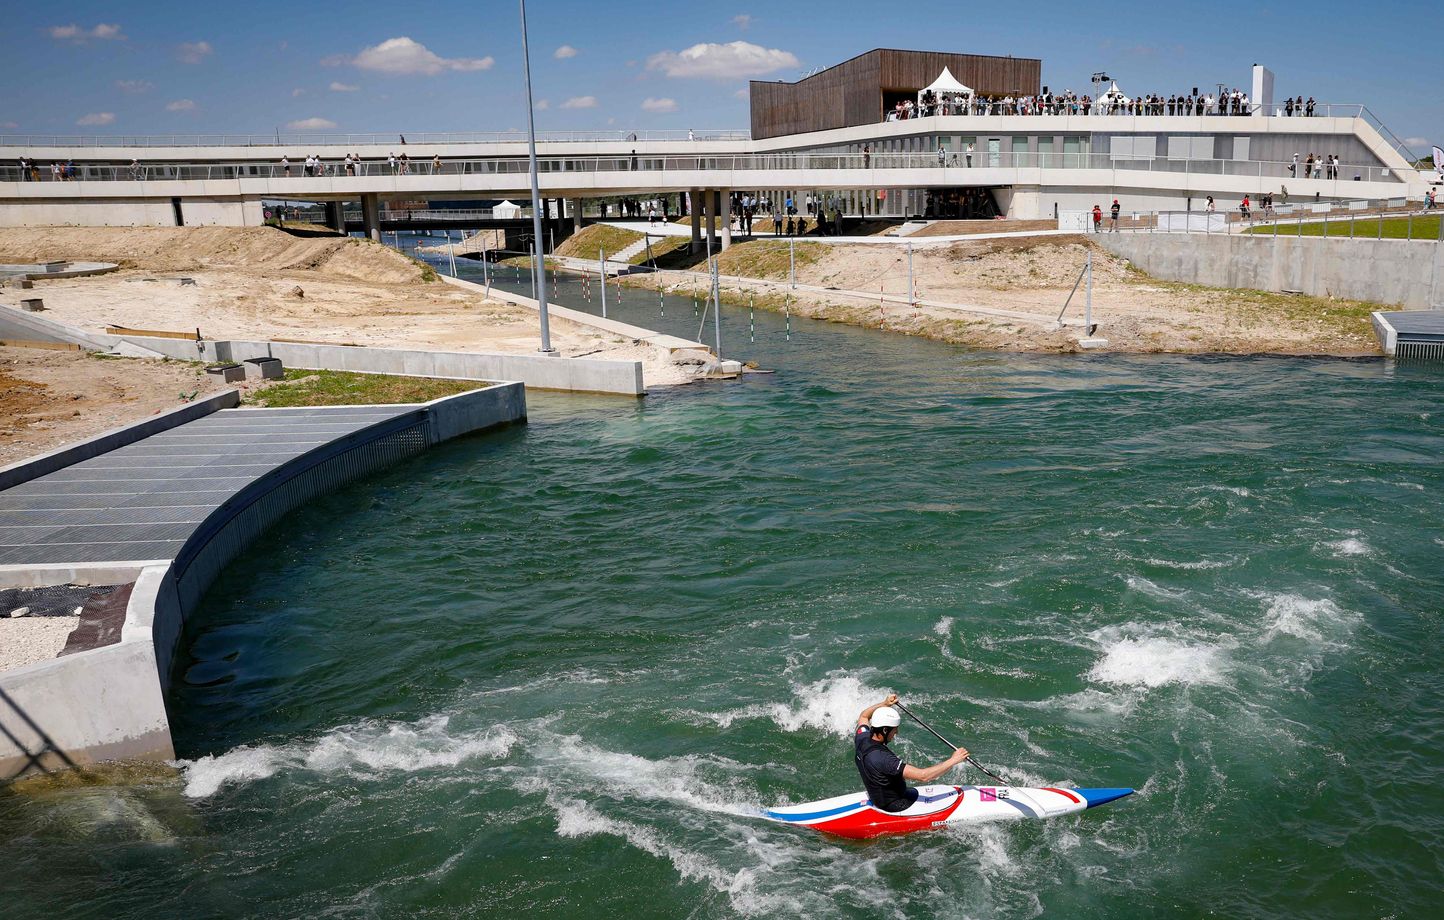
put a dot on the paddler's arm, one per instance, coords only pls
(928, 774)
(866, 717)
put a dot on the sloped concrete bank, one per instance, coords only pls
(1403, 272)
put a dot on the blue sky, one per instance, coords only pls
(165, 67)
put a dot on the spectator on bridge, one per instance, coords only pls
(1243, 208)
(391, 162)
(866, 156)
(1309, 108)
(1284, 194)
(405, 162)
(1209, 206)
(285, 166)
(942, 154)
(136, 171)
(1113, 217)
(436, 165)
(1294, 167)
(1097, 219)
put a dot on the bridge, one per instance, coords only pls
(1032, 164)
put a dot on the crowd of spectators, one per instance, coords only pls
(1234, 102)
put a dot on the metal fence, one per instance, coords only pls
(1391, 219)
(864, 162)
(305, 141)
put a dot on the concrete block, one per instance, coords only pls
(1091, 343)
(230, 373)
(32, 304)
(20, 284)
(264, 368)
(50, 267)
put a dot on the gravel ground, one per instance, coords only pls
(26, 640)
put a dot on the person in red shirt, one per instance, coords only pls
(1097, 219)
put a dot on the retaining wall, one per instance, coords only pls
(1402, 272)
(109, 703)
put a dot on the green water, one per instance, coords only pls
(553, 671)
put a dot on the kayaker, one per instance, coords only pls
(883, 773)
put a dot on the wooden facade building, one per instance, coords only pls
(858, 91)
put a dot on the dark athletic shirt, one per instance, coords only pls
(882, 773)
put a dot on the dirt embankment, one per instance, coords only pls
(263, 283)
(194, 248)
(1034, 276)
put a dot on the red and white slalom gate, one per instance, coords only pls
(853, 816)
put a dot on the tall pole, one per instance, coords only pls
(539, 267)
(791, 261)
(602, 258)
(912, 291)
(717, 308)
(1088, 302)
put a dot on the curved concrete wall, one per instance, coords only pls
(109, 703)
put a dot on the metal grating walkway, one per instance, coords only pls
(144, 500)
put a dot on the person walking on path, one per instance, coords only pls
(1113, 217)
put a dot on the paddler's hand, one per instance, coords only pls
(891, 700)
(960, 755)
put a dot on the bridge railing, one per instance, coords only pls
(307, 141)
(1284, 171)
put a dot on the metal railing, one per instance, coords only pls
(1372, 219)
(306, 141)
(994, 108)
(863, 162)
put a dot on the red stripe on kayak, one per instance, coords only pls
(1065, 793)
(873, 822)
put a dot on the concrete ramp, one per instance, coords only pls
(18, 325)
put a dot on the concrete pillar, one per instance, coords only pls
(576, 214)
(724, 208)
(694, 201)
(336, 216)
(371, 215)
(709, 217)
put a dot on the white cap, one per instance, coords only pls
(885, 717)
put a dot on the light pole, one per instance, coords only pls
(539, 266)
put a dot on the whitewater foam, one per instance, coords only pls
(365, 748)
(1155, 661)
(1349, 546)
(1319, 621)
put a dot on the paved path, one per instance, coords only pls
(144, 500)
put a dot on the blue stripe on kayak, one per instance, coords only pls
(1102, 796)
(811, 816)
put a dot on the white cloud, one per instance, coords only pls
(722, 62)
(297, 93)
(404, 56)
(580, 102)
(97, 118)
(8, 125)
(542, 105)
(193, 52)
(742, 21)
(134, 86)
(180, 105)
(1416, 142)
(564, 52)
(101, 31)
(743, 93)
(659, 105)
(339, 87)
(310, 124)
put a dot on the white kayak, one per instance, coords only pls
(854, 816)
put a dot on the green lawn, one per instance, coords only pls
(1395, 228)
(341, 388)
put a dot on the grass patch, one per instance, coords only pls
(584, 244)
(342, 388)
(1343, 317)
(1394, 228)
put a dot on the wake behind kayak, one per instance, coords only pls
(854, 816)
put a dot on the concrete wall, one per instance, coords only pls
(587, 375)
(104, 211)
(1409, 274)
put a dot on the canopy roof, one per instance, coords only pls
(947, 83)
(1114, 94)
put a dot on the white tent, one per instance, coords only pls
(1114, 95)
(506, 211)
(946, 83)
